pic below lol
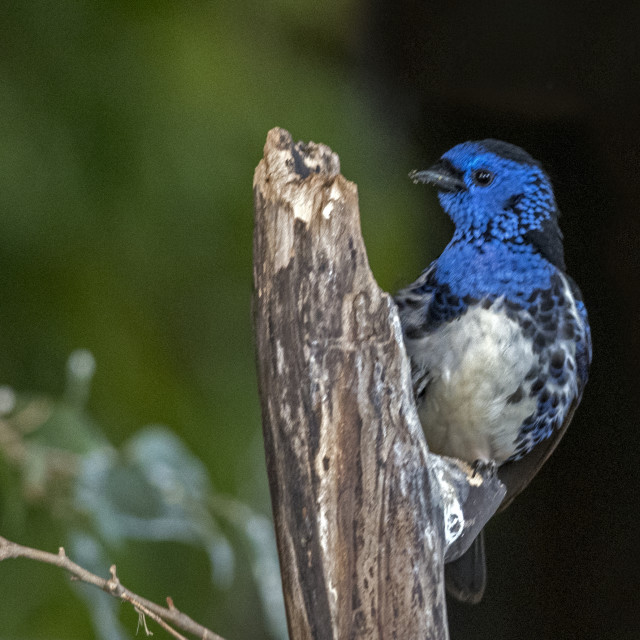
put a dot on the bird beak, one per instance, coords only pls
(443, 176)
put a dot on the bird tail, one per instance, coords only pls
(466, 577)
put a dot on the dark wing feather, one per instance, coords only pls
(413, 305)
(584, 351)
(516, 475)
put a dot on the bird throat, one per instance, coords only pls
(478, 270)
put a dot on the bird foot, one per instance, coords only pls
(484, 468)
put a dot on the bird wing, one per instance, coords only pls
(413, 304)
(417, 296)
(584, 352)
(517, 474)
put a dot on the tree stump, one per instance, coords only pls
(365, 515)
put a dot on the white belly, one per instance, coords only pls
(475, 364)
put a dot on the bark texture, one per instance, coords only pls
(365, 516)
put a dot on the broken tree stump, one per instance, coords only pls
(365, 515)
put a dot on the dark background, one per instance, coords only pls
(128, 137)
(563, 81)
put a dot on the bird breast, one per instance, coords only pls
(477, 398)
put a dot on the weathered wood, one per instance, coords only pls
(364, 514)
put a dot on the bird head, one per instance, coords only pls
(496, 192)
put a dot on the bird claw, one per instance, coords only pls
(484, 468)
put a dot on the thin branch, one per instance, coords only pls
(143, 613)
(112, 586)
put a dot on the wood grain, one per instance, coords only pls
(364, 514)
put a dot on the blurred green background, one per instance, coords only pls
(129, 133)
(129, 417)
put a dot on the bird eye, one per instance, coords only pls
(482, 177)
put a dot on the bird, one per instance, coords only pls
(496, 331)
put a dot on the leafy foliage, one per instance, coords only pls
(151, 489)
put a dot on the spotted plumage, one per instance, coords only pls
(496, 331)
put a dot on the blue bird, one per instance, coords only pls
(496, 331)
